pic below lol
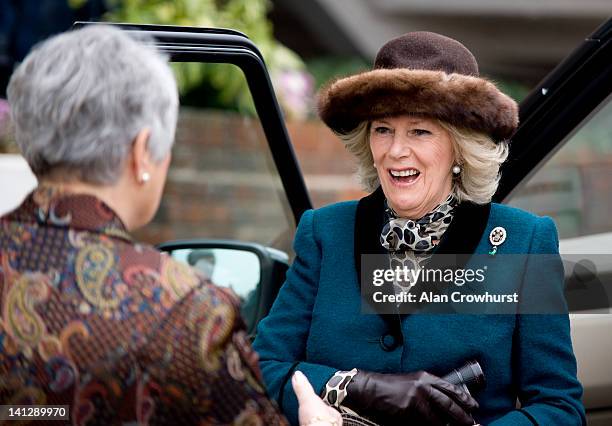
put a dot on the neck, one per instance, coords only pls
(112, 195)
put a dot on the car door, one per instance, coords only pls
(560, 165)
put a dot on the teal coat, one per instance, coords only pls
(316, 325)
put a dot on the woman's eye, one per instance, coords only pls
(421, 132)
(382, 130)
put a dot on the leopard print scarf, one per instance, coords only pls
(411, 242)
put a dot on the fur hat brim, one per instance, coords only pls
(461, 100)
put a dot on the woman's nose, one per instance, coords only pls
(399, 148)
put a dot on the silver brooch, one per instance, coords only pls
(497, 238)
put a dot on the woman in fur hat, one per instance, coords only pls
(429, 136)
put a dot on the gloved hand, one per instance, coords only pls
(412, 398)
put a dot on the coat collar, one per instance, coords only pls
(52, 206)
(462, 237)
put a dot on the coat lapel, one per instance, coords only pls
(369, 220)
(465, 231)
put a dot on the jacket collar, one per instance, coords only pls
(52, 206)
(462, 237)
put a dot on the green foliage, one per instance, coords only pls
(328, 68)
(516, 90)
(7, 140)
(76, 4)
(226, 83)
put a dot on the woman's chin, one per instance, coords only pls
(406, 207)
(406, 201)
(403, 190)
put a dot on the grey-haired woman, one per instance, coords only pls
(90, 318)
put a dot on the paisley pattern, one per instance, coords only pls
(93, 265)
(24, 323)
(213, 333)
(178, 278)
(116, 330)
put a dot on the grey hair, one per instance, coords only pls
(79, 99)
(479, 157)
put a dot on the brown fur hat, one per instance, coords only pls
(420, 73)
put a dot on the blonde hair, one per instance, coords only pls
(479, 157)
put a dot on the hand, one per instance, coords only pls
(313, 411)
(420, 397)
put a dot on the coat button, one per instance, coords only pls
(388, 342)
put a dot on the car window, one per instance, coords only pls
(222, 181)
(574, 187)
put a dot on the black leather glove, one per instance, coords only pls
(420, 397)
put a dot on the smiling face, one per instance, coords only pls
(413, 157)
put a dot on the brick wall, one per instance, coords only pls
(223, 184)
(222, 181)
(329, 170)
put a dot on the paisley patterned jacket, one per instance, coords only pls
(119, 332)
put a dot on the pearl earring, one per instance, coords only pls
(145, 177)
(456, 170)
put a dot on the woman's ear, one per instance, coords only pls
(140, 158)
